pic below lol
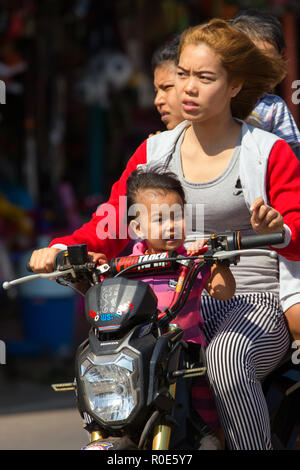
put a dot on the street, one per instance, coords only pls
(42, 430)
(34, 417)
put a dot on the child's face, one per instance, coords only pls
(161, 219)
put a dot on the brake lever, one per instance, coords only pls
(8, 284)
(222, 255)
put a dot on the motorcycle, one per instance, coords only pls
(134, 373)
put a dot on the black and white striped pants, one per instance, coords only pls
(247, 338)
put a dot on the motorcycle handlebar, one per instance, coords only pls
(255, 241)
(226, 242)
(230, 241)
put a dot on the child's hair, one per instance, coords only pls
(242, 60)
(152, 178)
(166, 53)
(261, 26)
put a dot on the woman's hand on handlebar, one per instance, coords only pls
(42, 261)
(98, 258)
(264, 218)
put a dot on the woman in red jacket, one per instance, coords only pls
(245, 178)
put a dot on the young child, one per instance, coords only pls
(158, 222)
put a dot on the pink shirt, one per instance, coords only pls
(189, 318)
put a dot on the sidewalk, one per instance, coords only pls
(32, 415)
(25, 385)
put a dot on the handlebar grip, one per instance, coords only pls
(255, 241)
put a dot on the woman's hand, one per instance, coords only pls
(42, 261)
(264, 218)
(98, 258)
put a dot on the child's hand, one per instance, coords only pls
(98, 258)
(195, 246)
(264, 218)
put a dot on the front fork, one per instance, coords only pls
(162, 432)
(95, 435)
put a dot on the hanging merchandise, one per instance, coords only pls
(15, 217)
(140, 80)
(105, 72)
(118, 71)
(12, 66)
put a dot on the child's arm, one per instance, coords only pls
(221, 283)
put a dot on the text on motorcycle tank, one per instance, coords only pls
(119, 264)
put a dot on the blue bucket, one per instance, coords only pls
(49, 323)
(48, 315)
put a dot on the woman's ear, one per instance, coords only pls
(235, 89)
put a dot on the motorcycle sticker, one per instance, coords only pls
(97, 446)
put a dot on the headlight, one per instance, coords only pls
(110, 386)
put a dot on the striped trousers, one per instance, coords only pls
(247, 338)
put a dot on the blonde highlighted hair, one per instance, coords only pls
(242, 60)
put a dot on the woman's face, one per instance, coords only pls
(166, 100)
(202, 86)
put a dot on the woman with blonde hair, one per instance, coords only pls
(246, 179)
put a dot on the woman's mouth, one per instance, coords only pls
(188, 105)
(164, 116)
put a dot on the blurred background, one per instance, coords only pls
(79, 100)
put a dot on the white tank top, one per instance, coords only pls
(219, 205)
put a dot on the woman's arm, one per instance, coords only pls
(106, 232)
(283, 189)
(109, 219)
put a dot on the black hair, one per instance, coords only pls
(152, 178)
(261, 25)
(166, 53)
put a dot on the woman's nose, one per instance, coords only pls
(190, 85)
(159, 98)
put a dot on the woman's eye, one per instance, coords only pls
(206, 79)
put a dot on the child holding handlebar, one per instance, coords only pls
(158, 221)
